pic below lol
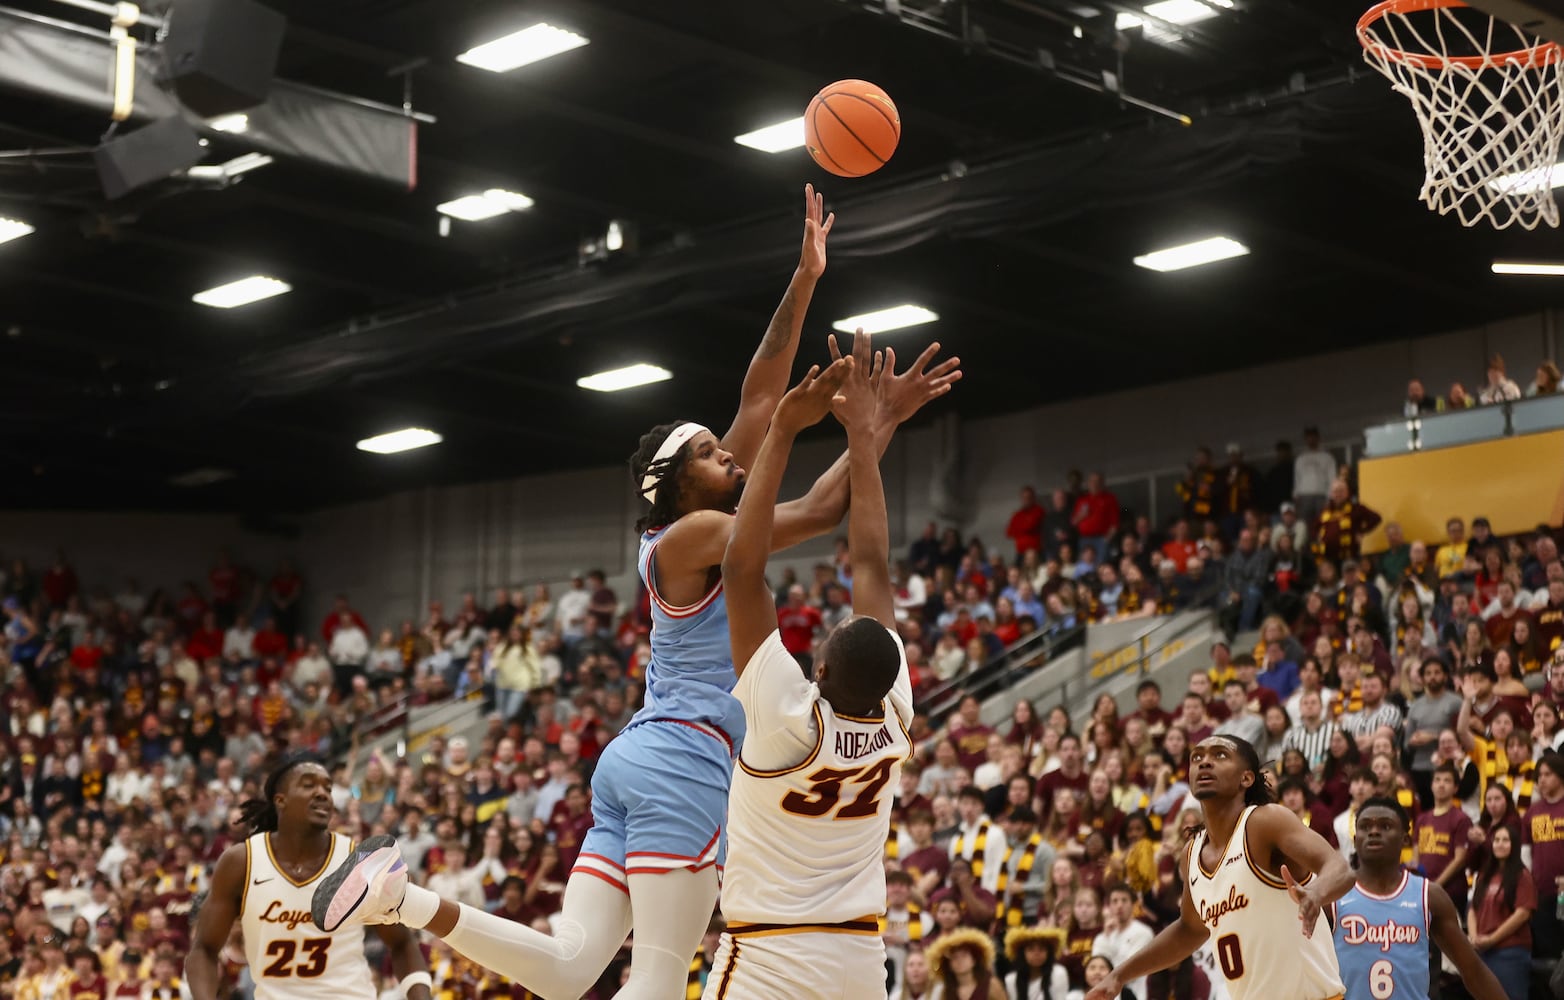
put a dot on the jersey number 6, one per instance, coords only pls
(826, 791)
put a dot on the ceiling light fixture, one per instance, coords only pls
(1523, 267)
(242, 292)
(236, 123)
(774, 138)
(519, 48)
(1174, 12)
(1192, 254)
(883, 320)
(405, 439)
(628, 377)
(491, 203)
(13, 229)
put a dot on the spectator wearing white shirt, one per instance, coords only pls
(1500, 388)
(570, 611)
(311, 668)
(127, 784)
(349, 650)
(1122, 935)
(911, 592)
(455, 881)
(1312, 473)
(978, 840)
(239, 642)
(552, 792)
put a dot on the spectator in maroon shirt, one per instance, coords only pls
(1194, 720)
(59, 584)
(571, 820)
(1148, 697)
(283, 592)
(1096, 516)
(207, 641)
(968, 733)
(1026, 524)
(224, 580)
(603, 606)
(797, 620)
(269, 641)
(1070, 774)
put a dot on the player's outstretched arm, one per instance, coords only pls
(1444, 926)
(1176, 942)
(1276, 829)
(752, 612)
(772, 365)
(214, 922)
(868, 532)
(900, 396)
(407, 959)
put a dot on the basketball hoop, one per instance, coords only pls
(1490, 100)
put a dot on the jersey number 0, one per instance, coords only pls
(826, 791)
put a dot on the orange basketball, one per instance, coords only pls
(851, 128)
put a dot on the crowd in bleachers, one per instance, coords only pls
(135, 723)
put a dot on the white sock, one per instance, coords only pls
(418, 907)
(593, 923)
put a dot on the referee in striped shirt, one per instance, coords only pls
(1376, 713)
(1311, 736)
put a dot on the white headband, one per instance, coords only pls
(669, 448)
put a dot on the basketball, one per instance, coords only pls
(851, 128)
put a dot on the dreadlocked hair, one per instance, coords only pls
(664, 511)
(260, 815)
(1259, 793)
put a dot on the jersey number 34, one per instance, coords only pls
(826, 791)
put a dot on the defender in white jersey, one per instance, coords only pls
(810, 808)
(1241, 890)
(266, 884)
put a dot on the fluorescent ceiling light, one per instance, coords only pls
(242, 292)
(204, 476)
(522, 47)
(1520, 267)
(1528, 181)
(624, 378)
(487, 205)
(882, 320)
(236, 123)
(12, 229)
(405, 439)
(1192, 254)
(775, 138)
(1171, 11)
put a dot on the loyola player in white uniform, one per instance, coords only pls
(1239, 886)
(810, 808)
(266, 883)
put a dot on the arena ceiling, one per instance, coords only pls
(1014, 209)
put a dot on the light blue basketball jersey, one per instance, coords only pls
(1382, 941)
(690, 677)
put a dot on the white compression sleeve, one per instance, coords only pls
(592, 925)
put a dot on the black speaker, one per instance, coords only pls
(221, 54)
(151, 153)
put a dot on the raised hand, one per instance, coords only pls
(855, 404)
(817, 226)
(807, 403)
(1308, 906)
(1107, 988)
(903, 395)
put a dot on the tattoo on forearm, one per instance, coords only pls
(780, 332)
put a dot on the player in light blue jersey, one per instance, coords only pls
(1383, 925)
(659, 791)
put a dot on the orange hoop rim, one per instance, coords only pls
(1542, 54)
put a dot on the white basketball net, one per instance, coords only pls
(1491, 105)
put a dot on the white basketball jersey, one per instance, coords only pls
(806, 843)
(291, 958)
(1258, 944)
